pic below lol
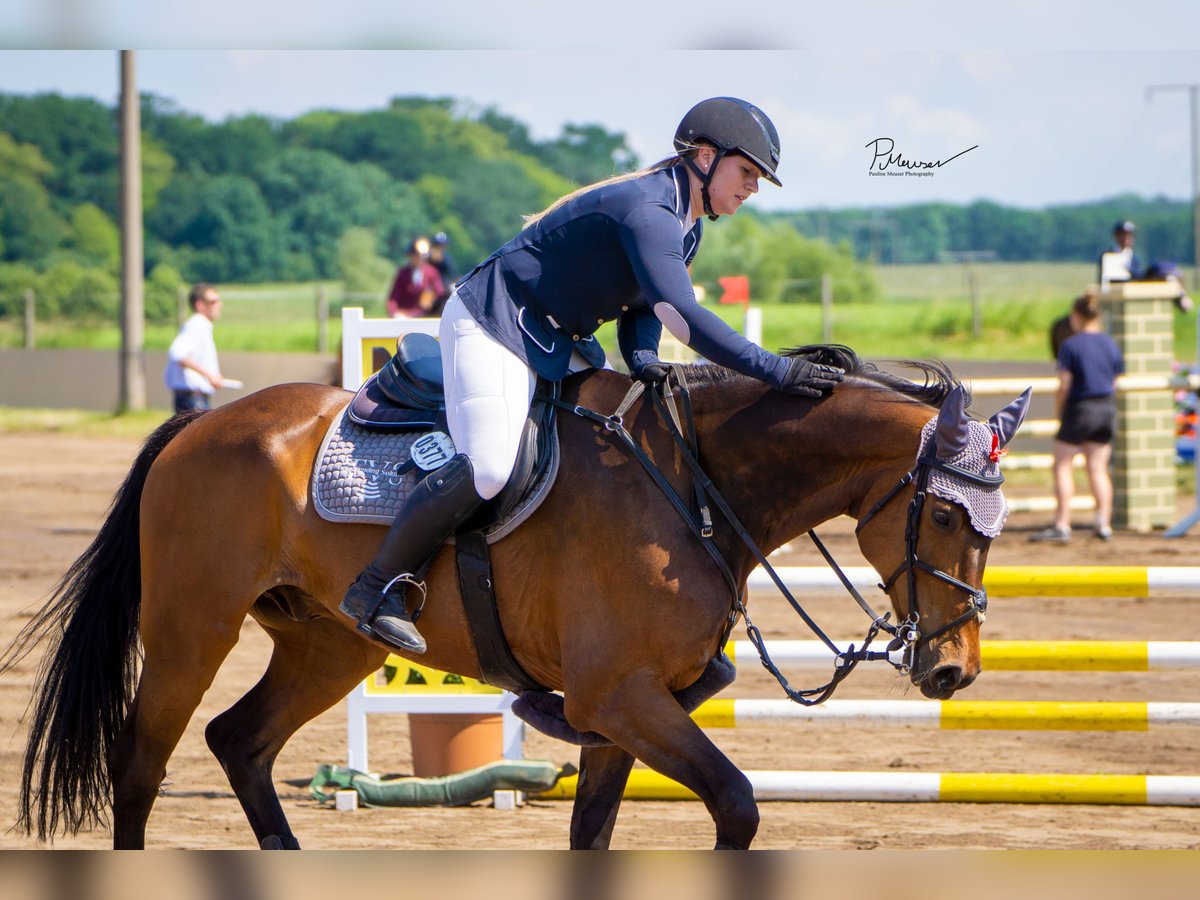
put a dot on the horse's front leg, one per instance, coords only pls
(640, 716)
(603, 774)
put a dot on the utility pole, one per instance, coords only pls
(1194, 91)
(132, 388)
(971, 283)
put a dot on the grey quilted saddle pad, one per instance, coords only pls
(365, 476)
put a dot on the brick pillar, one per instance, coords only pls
(1139, 317)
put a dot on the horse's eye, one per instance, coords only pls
(941, 517)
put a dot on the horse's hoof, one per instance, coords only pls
(275, 842)
(724, 845)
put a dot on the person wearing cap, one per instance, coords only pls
(615, 250)
(417, 284)
(1119, 262)
(440, 259)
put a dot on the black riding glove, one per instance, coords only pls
(648, 368)
(810, 379)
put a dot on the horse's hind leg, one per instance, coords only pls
(181, 659)
(316, 662)
(641, 716)
(603, 773)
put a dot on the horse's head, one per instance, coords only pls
(928, 535)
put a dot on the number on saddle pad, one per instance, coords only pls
(433, 450)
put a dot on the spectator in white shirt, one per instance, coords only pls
(193, 372)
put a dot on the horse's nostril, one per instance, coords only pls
(947, 678)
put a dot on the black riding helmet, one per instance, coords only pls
(732, 126)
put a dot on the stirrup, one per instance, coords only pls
(394, 626)
(364, 603)
(404, 578)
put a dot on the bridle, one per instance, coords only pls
(908, 632)
(907, 638)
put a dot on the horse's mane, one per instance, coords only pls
(939, 381)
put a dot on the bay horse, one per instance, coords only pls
(604, 593)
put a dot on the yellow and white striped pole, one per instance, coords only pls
(1017, 656)
(1016, 581)
(945, 787)
(957, 715)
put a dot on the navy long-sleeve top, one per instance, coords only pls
(621, 252)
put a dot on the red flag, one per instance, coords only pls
(737, 289)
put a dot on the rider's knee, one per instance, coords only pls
(490, 478)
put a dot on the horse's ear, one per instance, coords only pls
(1006, 422)
(953, 426)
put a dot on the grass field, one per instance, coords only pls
(926, 313)
(78, 421)
(280, 318)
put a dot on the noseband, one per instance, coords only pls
(907, 634)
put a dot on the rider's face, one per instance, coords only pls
(735, 180)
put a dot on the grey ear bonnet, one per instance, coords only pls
(963, 442)
(1006, 422)
(952, 431)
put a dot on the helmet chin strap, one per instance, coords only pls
(705, 178)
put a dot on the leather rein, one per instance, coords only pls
(906, 636)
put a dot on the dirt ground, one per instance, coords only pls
(54, 490)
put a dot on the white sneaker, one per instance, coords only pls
(1104, 532)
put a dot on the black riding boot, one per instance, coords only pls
(437, 506)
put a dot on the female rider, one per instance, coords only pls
(619, 249)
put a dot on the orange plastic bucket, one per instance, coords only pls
(445, 743)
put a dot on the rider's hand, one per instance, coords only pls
(649, 369)
(810, 379)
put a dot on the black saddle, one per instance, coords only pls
(408, 394)
(413, 376)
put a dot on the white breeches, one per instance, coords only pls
(488, 392)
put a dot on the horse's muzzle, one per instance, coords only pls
(941, 682)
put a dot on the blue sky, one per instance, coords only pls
(1056, 105)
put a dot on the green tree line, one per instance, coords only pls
(325, 195)
(935, 232)
(256, 199)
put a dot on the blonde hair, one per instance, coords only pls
(615, 179)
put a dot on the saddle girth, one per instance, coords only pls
(497, 665)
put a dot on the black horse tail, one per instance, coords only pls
(86, 682)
